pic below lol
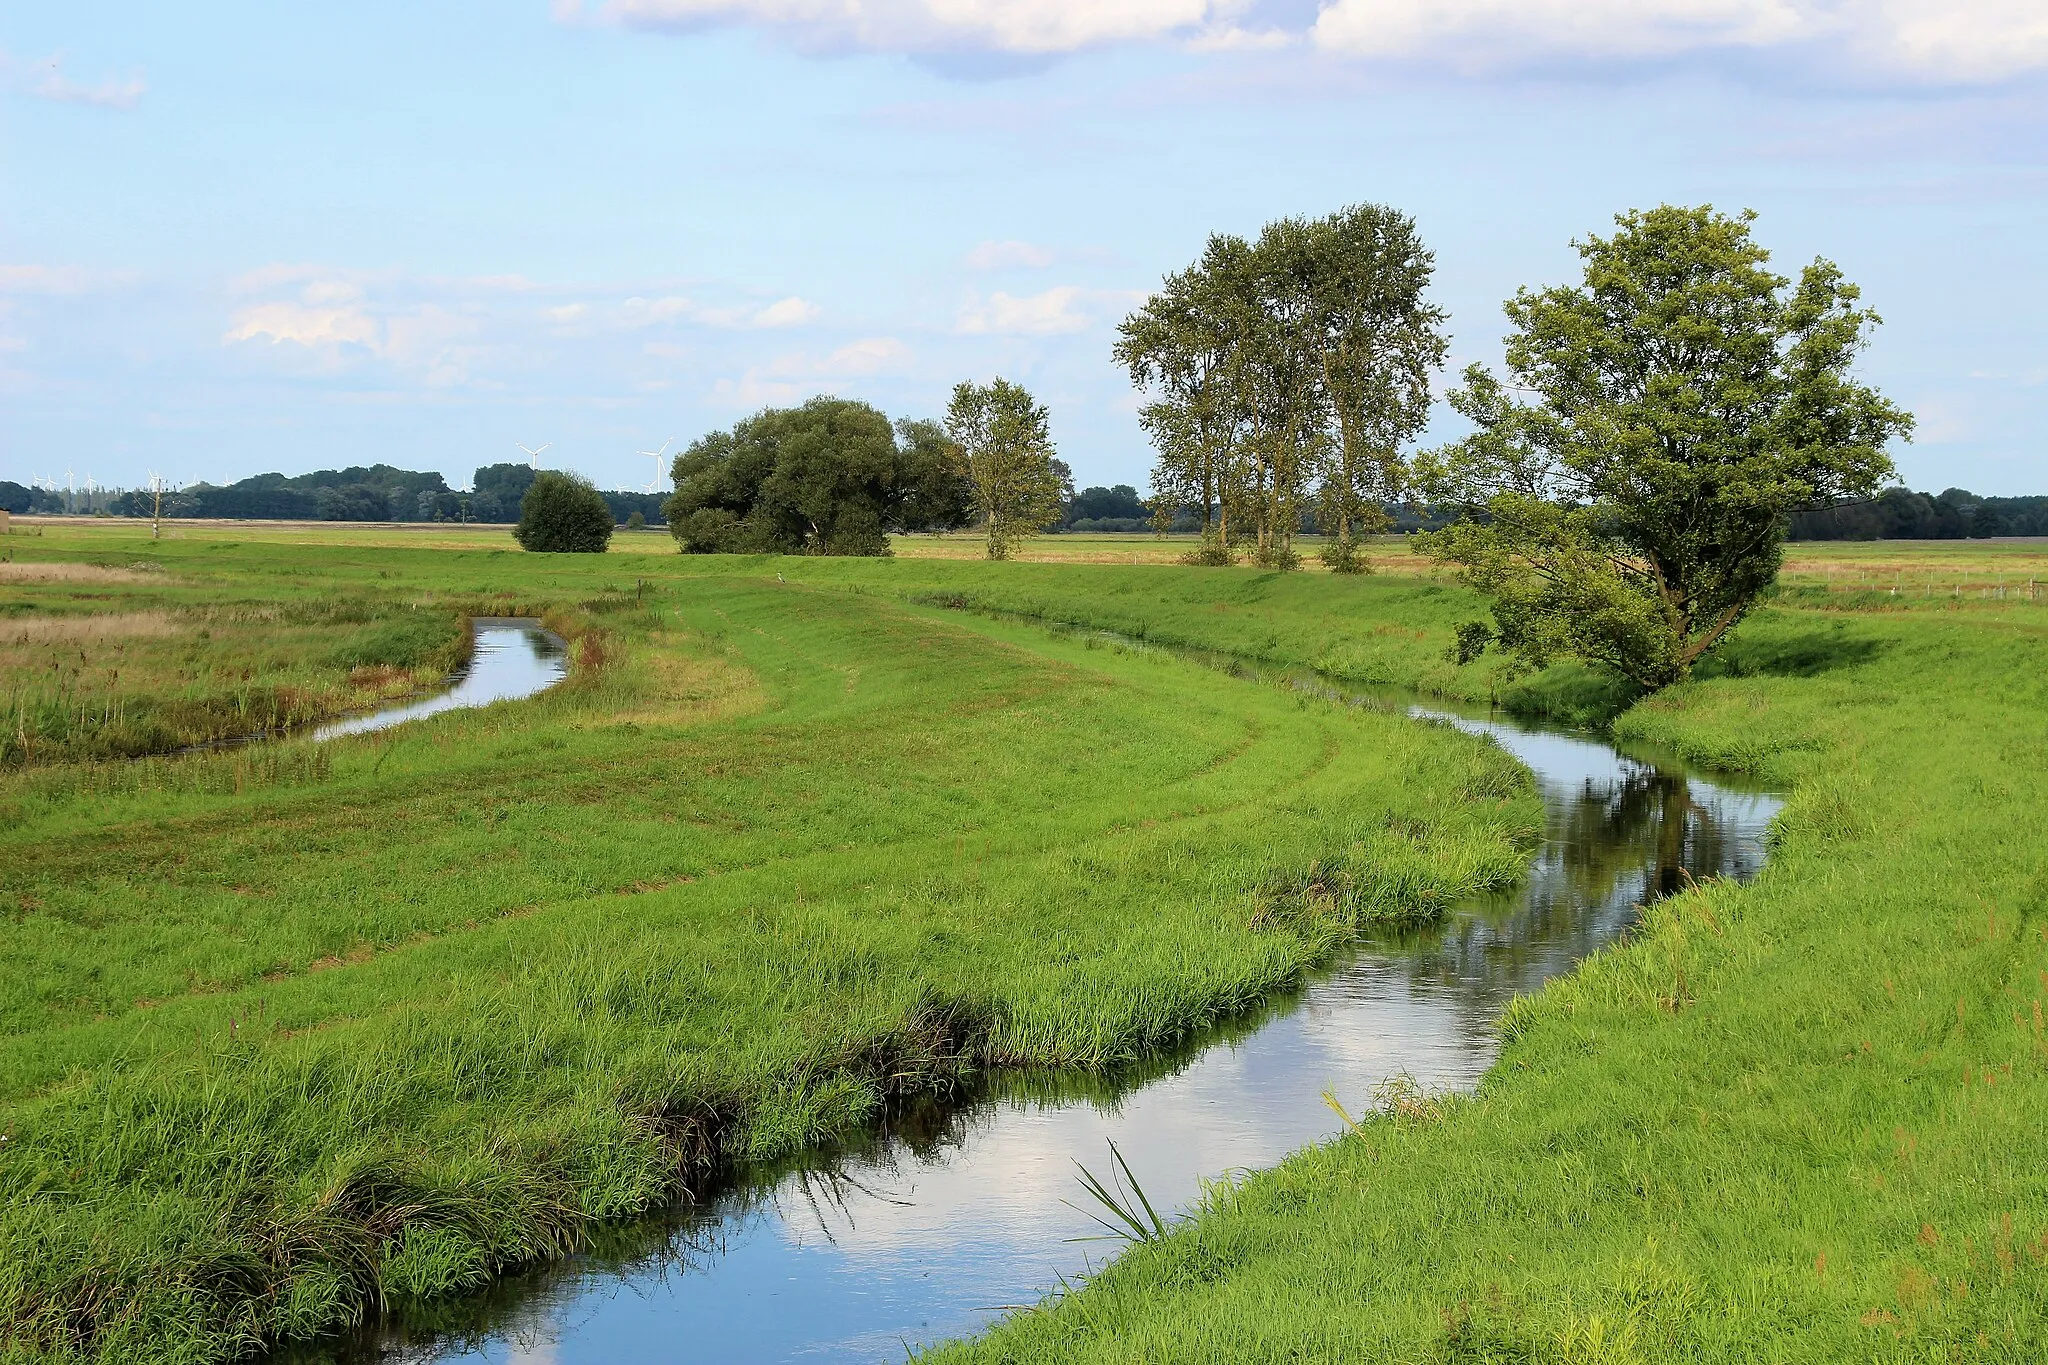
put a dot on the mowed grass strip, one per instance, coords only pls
(1798, 1121)
(378, 1027)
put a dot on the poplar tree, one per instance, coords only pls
(1182, 346)
(1379, 342)
(1006, 443)
(1287, 372)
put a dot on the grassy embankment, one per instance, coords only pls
(101, 661)
(1799, 1121)
(295, 1028)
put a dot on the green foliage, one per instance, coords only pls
(562, 514)
(1342, 555)
(1288, 373)
(1473, 638)
(1691, 403)
(1018, 487)
(506, 482)
(827, 478)
(411, 639)
(636, 520)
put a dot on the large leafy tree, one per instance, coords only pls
(563, 514)
(1685, 403)
(1019, 489)
(828, 478)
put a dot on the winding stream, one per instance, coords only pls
(934, 1224)
(510, 657)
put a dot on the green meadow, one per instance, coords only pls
(1799, 1120)
(296, 1030)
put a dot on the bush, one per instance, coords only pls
(563, 514)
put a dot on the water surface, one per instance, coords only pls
(510, 657)
(932, 1226)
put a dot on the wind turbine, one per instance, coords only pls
(656, 455)
(533, 456)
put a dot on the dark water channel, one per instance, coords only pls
(510, 657)
(928, 1228)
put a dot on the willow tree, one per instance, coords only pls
(1688, 403)
(1005, 441)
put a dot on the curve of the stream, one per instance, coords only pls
(510, 657)
(948, 1216)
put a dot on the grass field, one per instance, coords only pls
(290, 1027)
(293, 1028)
(1797, 1121)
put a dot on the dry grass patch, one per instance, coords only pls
(28, 571)
(689, 689)
(126, 625)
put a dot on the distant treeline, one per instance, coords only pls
(1901, 514)
(1119, 508)
(359, 493)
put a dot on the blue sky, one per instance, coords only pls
(241, 237)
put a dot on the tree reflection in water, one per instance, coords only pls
(951, 1208)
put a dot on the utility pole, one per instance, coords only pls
(156, 506)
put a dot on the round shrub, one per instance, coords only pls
(563, 514)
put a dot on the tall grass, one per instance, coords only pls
(410, 1008)
(1798, 1120)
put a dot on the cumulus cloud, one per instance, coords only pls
(795, 375)
(1063, 308)
(870, 355)
(1963, 40)
(1960, 41)
(789, 312)
(46, 78)
(1008, 256)
(922, 26)
(639, 312)
(304, 324)
(674, 308)
(331, 319)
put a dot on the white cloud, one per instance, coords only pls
(1056, 310)
(45, 78)
(1231, 38)
(1965, 40)
(870, 355)
(304, 325)
(789, 312)
(1919, 40)
(1013, 26)
(794, 375)
(333, 320)
(674, 308)
(1008, 256)
(639, 312)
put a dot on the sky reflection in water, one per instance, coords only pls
(932, 1226)
(511, 657)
